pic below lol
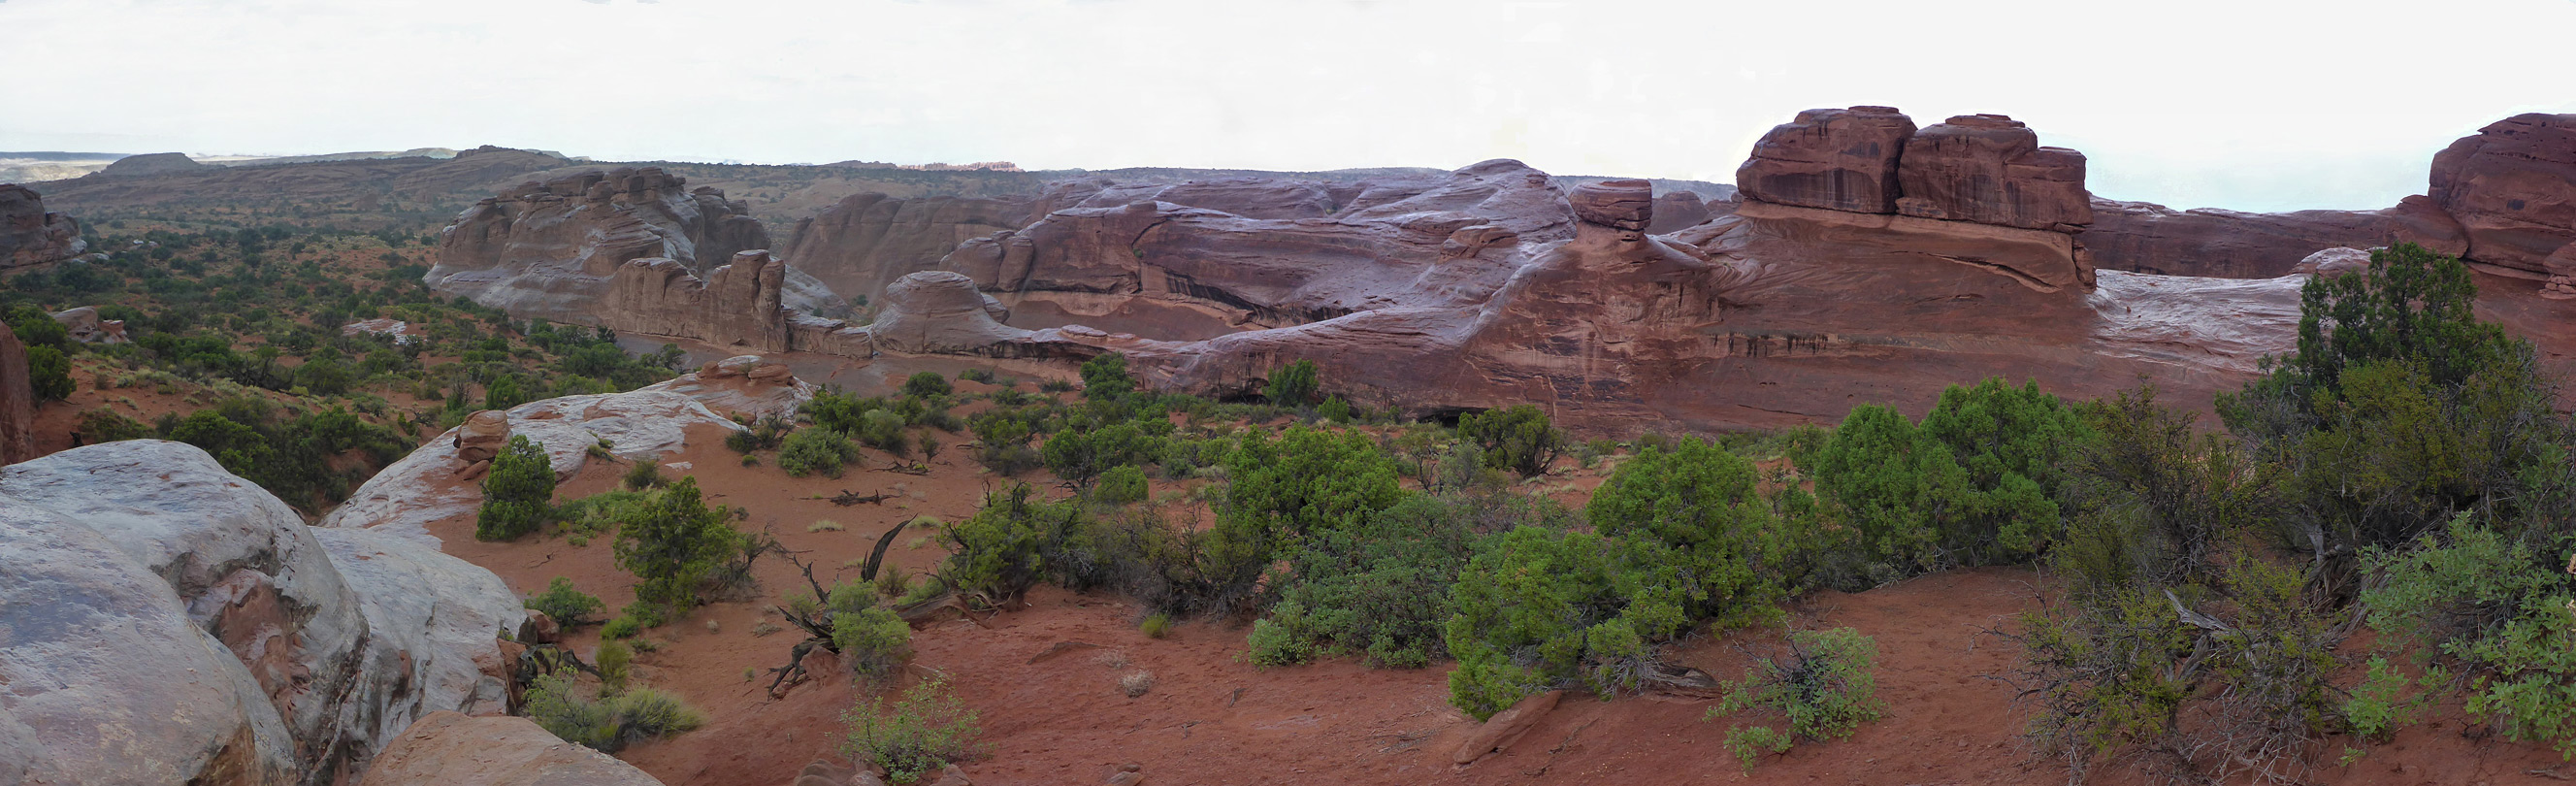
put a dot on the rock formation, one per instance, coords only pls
(86, 327)
(2150, 238)
(866, 241)
(2512, 187)
(1990, 169)
(170, 623)
(149, 164)
(550, 249)
(1836, 159)
(449, 749)
(31, 236)
(642, 424)
(17, 401)
(737, 304)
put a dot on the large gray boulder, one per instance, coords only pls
(166, 621)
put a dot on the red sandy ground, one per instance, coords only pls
(1210, 718)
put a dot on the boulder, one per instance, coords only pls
(31, 236)
(1990, 169)
(641, 424)
(1500, 730)
(481, 436)
(2512, 186)
(450, 749)
(17, 401)
(2333, 262)
(1836, 159)
(176, 623)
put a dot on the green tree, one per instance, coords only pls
(1518, 438)
(1700, 506)
(518, 492)
(1105, 378)
(926, 384)
(678, 547)
(1892, 485)
(2013, 443)
(1293, 385)
(50, 373)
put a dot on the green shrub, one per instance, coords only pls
(518, 492)
(2014, 445)
(1824, 686)
(1105, 378)
(107, 425)
(566, 605)
(577, 715)
(623, 627)
(50, 372)
(1890, 483)
(816, 451)
(1544, 609)
(1001, 551)
(976, 375)
(1293, 385)
(645, 475)
(1155, 625)
(2481, 616)
(616, 663)
(1518, 438)
(1078, 456)
(1121, 485)
(1703, 506)
(1335, 410)
(872, 640)
(679, 548)
(1381, 591)
(919, 734)
(883, 430)
(926, 384)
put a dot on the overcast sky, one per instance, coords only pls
(2228, 103)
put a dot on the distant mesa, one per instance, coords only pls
(150, 164)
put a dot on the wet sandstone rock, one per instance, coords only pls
(1990, 169)
(1836, 159)
(85, 326)
(168, 622)
(17, 401)
(2148, 238)
(2512, 187)
(737, 304)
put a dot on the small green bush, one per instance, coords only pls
(1293, 385)
(1156, 625)
(816, 451)
(616, 663)
(1105, 378)
(679, 548)
(518, 492)
(1518, 438)
(50, 371)
(577, 715)
(2474, 612)
(884, 430)
(564, 604)
(645, 475)
(872, 640)
(919, 734)
(623, 627)
(926, 384)
(1121, 485)
(1825, 686)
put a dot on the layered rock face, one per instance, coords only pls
(549, 249)
(2150, 238)
(1165, 261)
(1990, 169)
(1951, 190)
(866, 241)
(31, 236)
(17, 401)
(1836, 159)
(2512, 187)
(738, 304)
(167, 622)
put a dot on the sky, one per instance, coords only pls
(2241, 104)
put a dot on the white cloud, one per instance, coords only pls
(2204, 102)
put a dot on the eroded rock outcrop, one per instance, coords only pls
(1836, 159)
(31, 236)
(2512, 187)
(1990, 169)
(449, 749)
(17, 401)
(735, 305)
(168, 622)
(2149, 238)
(640, 424)
(85, 326)
(866, 241)
(550, 249)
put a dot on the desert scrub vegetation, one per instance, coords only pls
(1823, 685)
(518, 492)
(916, 734)
(566, 605)
(606, 722)
(682, 552)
